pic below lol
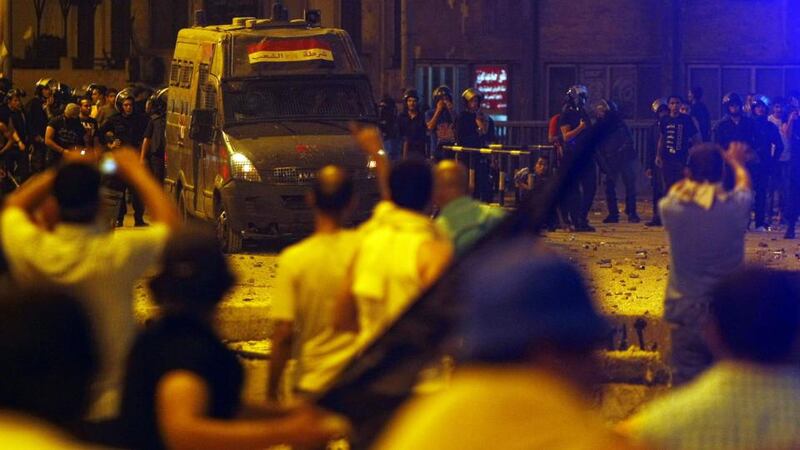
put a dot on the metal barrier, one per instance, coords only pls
(509, 158)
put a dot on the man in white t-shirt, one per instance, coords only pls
(310, 274)
(80, 257)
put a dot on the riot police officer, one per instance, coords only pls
(440, 121)
(125, 129)
(475, 129)
(411, 125)
(574, 124)
(16, 155)
(39, 112)
(154, 142)
(653, 172)
(768, 146)
(616, 157)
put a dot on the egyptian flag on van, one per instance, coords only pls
(306, 51)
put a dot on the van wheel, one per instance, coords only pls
(230, 241)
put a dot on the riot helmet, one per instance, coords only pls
(577, 96)
(157, 103)
(441, 92)
(63, 94)
(45, 83)
(659, 105)
(471, 93)
(125, 94)
(410, 93)
(14, 92)
(731, 98)
(760, 100)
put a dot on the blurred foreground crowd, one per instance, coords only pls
(78, 373)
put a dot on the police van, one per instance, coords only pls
(255, 108)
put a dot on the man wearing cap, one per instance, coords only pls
(80, 256)
(530, 334)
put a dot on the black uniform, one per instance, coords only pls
(129, 130)
(468, 135)
(701, 114)
(616, 157)
(37, 124)
(17, 162)
(155, 133)
(768, 146)
(656, 178)
(581, 196)
(414, 132)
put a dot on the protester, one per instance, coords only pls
(65, 134)
(48, 359)
(530, 335)
(183, 385)
(677, 134)
(706, 226)
(463, 219)
(536, 185)
(402, 250)
(309, 273)
(616, 157)
(78, 256)
(749, 399)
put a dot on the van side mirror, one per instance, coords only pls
(202, 126)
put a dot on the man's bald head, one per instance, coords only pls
(332, 191)
(451, 181)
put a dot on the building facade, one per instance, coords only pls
(522, 53)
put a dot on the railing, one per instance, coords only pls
(535, 132)
(520, 143)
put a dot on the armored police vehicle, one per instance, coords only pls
(255, 109)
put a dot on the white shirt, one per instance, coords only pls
(99, 268)
(386, 277)
(310, 275)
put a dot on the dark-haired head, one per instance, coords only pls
(332, 191)
(77, 192)
(194, 274)
(48, 356)
(756, 315)
(697, 93)
(411, 184)
(706, 163)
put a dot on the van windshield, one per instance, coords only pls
(293, 99)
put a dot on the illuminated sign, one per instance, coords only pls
(492, 82)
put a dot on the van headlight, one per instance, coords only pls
(243, 169)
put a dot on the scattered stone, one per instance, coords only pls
(641, 254)
(763, 244)
(634, 275)
(604, 263)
